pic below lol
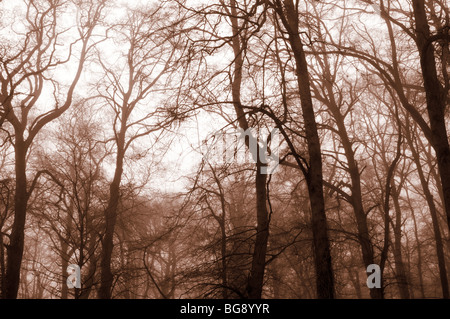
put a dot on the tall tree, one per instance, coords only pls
(26, 69)
(256, 277)
(152, 40)
(437, 93)
(409, 134)
(328, 88)
(288, 13)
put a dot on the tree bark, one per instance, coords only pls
(434, 216)
(15, 249)
(436, 100)
(356, 199)
(419, 252)
(400, 270)
(64, 263)
(105, 290)
(314, 178)
(256, 277)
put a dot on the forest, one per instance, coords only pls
(224, 149)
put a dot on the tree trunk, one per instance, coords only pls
(15, 249)
(419, 256)
(314, 178)
(355, 176)
(400, 271)
(276, 277)
(89, 283)
(436, 100)
(434, 216)
(2, 264)
(256, 277)
(354, 278)
(105, 290)
(65, 239)
(64, 265)
(223, 255)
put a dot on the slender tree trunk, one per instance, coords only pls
(434, 217)
(419, 256)
(105, 290)
(223, 254)
(2, 251)
(256, 277)
(409, 269)
(314, 178)
(390, 168)
(436, 100)
(15, 249)
(239, 246)
(400, 270)
(2, 264)
(358, 285)
(355, 176)
(275, 275)
(221, 220)
(87, 289)
(93, 238)
(354, 278)
(64, 264)
(173, 266)
(64, 251)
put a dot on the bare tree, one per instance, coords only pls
(78, 176)
(437, 93)
(153, 43)
(26, 69)
(256, 277)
